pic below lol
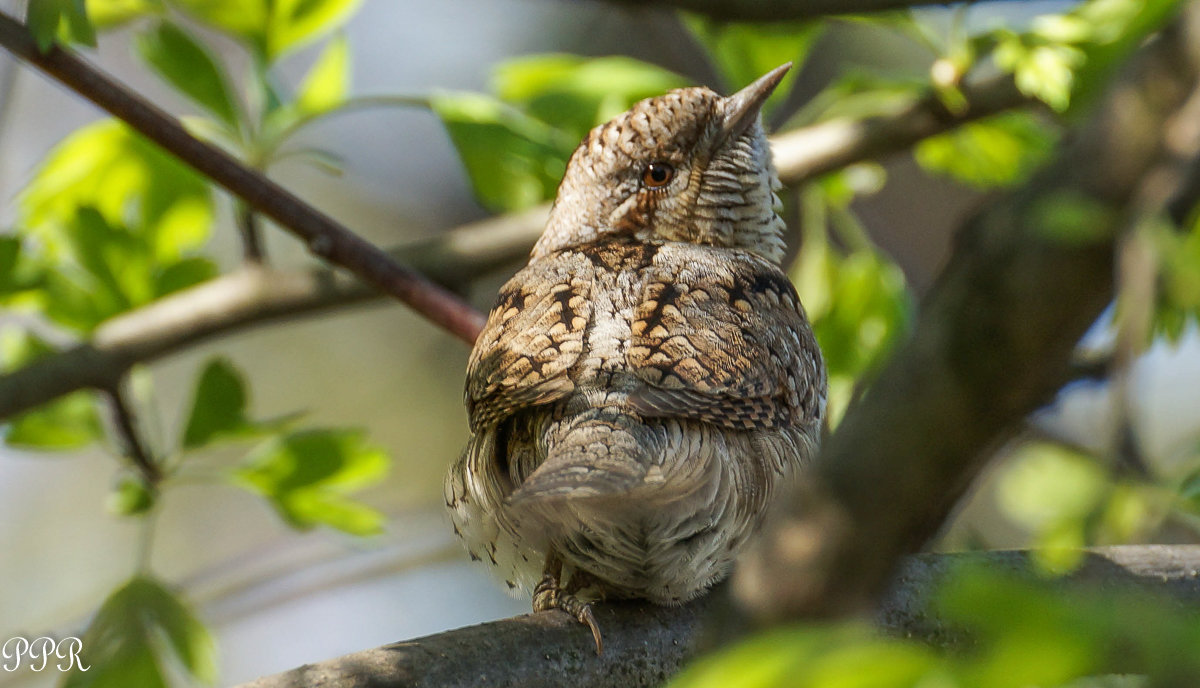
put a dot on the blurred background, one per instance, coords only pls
(276, 598)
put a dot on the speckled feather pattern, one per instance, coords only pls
(649, 381)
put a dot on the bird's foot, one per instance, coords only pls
(550, 595)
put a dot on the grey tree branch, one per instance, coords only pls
(992, 343)
(251, 296)
(781, 10)
(254, 297)
(808, 152)
(654, 642)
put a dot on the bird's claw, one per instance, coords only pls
(549, 595)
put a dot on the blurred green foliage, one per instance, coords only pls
(109, 223)
(219, 409)
(1011, 632)
(1066, 500)
(142, 632)
(854, 295)
(514, 160)
(1178, 305)
(741, 53)
(188, 66)
(515, 145)
(54, 21)
(998, 151)
(1064, 59)
(308, 475)
(271, 28)
(67, 423)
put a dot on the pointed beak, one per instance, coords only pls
(741, 108)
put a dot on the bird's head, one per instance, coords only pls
(689, 166)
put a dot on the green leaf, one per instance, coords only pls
(1047, 483)
(328, 82)
(866, 310)
(1189, 490)
(574, 93)
(1066, 59)
(69, 422)
(856, 299)
(844, 655)
(219, 408)
(514, 161)
(1045, 72)
(1030, 633)
(186, 273)
(16, 275)
(998, 151)
(108, 14)
(137, 629)
(188, 66)
(1072, 219)
(219, 404)
(744, 52)
(59, 21)
(273, 28)
(859, 95)
(130, 497)
(1117, 28)
(129, 180)
(243, 19)
(1179, 281)
(1054, 493)
(107, 215)
(308, 475)
(295, 23)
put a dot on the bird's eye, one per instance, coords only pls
(658, 175)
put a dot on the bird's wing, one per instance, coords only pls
(532, 337)
(720, 336)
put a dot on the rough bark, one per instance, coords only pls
(645, 644)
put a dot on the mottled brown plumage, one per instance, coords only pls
(644, 386)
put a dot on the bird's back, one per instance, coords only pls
(647, 458)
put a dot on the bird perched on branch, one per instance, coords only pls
(645, 385)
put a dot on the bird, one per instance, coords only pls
(649, 382)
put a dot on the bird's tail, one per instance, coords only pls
(600, 452)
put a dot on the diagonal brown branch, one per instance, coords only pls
(251, 298)
(324, 236)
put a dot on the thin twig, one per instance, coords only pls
(133, 447)
(324, 236)
(251, 233)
